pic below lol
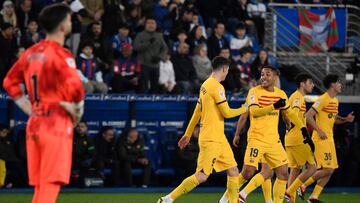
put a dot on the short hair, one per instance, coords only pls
(218, 23)
(274, 69)
(219, 61)
(245, 50)
(52, 16)
(329, 79)
(84, 122)
(198, 48)
(302, 77)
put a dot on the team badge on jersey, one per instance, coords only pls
(70, 62)
(252, 99)
(222, 94)
(297, 102)
(317, 104)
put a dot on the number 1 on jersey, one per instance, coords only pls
(35, 87)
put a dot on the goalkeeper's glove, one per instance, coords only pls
(307, 138)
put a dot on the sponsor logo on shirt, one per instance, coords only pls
(296, 102)
(252, 99)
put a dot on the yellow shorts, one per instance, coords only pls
(325, 154)
(274, 155)
(299, 155)
(218, 156)
(2, 172)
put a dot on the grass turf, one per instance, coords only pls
(152, 198)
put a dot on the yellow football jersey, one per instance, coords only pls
(264, 130)
(212, 94)
(327, 110)
(294, 136)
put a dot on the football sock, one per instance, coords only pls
(254, 183)
(232, 189)
(266, 188)
(309, 181)
(317, 191)
(279, 190)
(186, 186)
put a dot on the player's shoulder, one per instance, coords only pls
(296, 95)
(255, 89)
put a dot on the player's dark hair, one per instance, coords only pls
(329, 79)
(51, 16)
(275, 70)
(219, 61)
(302, 77)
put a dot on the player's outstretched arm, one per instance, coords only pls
(190, 128)
(228, 112)
(239, 126)
(348, 119)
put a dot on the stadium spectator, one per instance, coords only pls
(236, 12)
(187, 157)
(102, 46)
(135, 19)
(94, 9)
(246, 76)
(83, 152)
(105, 154)
(7, 157)
(151, 48)
(131, 151)
(257, 13)
(231, 82)
(24, 14)
(260, 60)
(196, 37)
(120, 38)
(182, 22)
(239, 41)
(196, 21)
(163, 16)
(167, 77)
(185, 73)
(31, 36)
(201, 62)
(114, 15)
(8, 13)
(126, 72)
(217, 40)
(88, 70)
(181, 38)
(8, 48)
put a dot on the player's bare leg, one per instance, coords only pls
(186, 186)
(280, 183)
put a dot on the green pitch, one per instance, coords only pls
(152, 198)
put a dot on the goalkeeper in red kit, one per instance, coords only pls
(54, 103)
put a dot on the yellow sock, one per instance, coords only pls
(294, 186)
(266, 188)
(242, 180)
(279, 190)
(186, 186)
(254, 183)
(309, 181)
(2, 172)
(317, 191)
(232, 189)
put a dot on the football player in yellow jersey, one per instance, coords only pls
(325, 112)
(265, 102)
(298, 153)
(215, 151)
